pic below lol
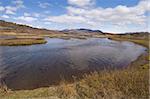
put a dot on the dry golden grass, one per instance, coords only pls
(21, 41)
(66, 90)
(143, 41)
(138, 41)
(133, 84)
(116, 84)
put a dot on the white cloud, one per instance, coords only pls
(31, 14)
(2, 8)
(11, 9)
(5, 16)
(120, 16)
(47, 12)
(27, 14)
(65, 19)
(44, 4)
(47, 23)
(84, 13)
(36, 14)
(81, 3)
(18, 3)
(26, 18)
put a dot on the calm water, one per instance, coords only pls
(28, 67)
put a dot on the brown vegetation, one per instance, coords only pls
(21, 41)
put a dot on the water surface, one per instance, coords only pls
(28, 67)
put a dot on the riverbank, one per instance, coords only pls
(22, 41)
(137, 41)
(114, 84)
(128, 83)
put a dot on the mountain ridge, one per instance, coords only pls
(6, 26)
(80, 30)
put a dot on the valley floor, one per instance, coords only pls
(130, 83)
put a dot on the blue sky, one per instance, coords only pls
(106, 15)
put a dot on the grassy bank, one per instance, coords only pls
(109, 85)
(144, 42)
(21, 41)
(130, 83)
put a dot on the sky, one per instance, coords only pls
(115, 16)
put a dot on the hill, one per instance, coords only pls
(82, 30)
(19, 28)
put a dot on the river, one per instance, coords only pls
(29, 67)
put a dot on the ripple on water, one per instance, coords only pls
(28, 67)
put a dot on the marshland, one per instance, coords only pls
(62, 64)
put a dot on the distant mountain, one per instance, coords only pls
(82, 30)
(19, 28)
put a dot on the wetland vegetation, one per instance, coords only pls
(131, 82)
(21, 41)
